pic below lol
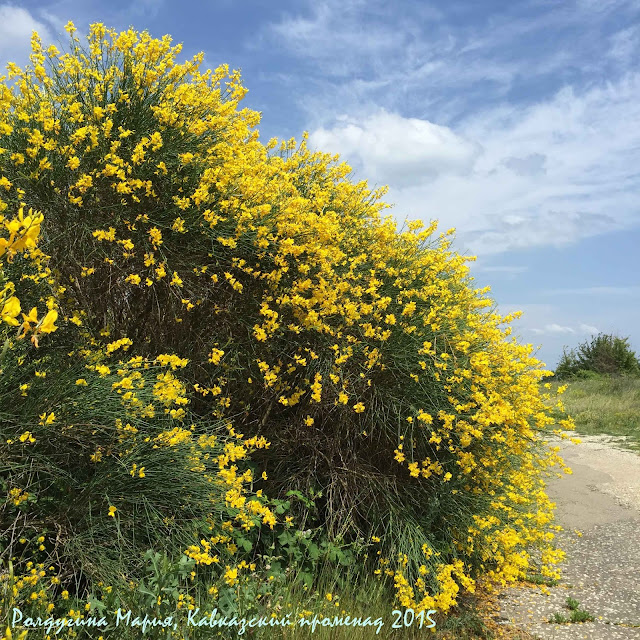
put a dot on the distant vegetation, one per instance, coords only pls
(601, 355)
(604, 394)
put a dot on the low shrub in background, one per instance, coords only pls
(604, 354)
(235, 321)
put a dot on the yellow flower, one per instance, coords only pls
(216, 356)
(231, 576)
(155, 235)
(10, 311)
(30, 318)
(112, 511)
(47, 325)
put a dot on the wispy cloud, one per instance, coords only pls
(625, 44)
(554, 328)
(509, 271)
(16, 26)
(505, 124)
(512, 176)
(419, 55)
(347, 37)
(600, 291)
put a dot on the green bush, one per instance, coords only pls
(604, 354)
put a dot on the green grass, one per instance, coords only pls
(576, 614)
(580, 615)
(605, 405)
(540, 579)
(558, 618)
(370, 597)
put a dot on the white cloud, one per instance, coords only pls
(553, 328)
(443, 60)
(624, 44)
(511, 176)
(16, 27)
(472, 121)
(396, 150)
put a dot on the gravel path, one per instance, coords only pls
(599, 508)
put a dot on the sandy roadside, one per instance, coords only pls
(599, 507)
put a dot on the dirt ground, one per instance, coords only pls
(599, 508)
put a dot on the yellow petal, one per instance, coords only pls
(32, 316)
(10, 310)
(47, 325)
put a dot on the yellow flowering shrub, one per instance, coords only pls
(360, 351)
(99, 472)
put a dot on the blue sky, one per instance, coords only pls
(516, 122)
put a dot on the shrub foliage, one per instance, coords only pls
(604, 354)
(221, 297)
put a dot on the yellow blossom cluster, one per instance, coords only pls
(19, 235)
